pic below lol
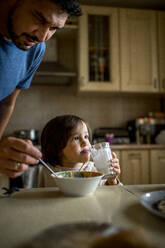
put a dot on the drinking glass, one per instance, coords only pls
(101, 155)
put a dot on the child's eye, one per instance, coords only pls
(86, 136)
(76, 138)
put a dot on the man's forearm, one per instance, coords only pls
(6, 109)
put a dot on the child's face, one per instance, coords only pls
(77, 149)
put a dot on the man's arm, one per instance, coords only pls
(15, 154)
(6, 110)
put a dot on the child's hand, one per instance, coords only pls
(116, 168)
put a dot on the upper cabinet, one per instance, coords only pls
(161, 39)
(98, 49)
(108, 49)
(138, 48)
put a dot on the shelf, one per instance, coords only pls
(54, 69)
(53, 73)
(62, 74)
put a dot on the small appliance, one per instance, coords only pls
(144, 130)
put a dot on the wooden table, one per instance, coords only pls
(30, 211)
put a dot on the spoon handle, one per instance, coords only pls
(44, 164)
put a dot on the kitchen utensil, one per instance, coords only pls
(31, 134)
(47, 166)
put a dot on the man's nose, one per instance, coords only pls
(43, 34)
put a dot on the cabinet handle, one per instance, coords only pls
(155, 83)
(162, 159)
(163, 83)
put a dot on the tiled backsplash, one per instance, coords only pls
(37, 105)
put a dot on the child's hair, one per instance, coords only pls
(55, 135)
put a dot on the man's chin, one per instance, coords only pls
(21, 46)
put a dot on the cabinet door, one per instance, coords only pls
(98, 49)
(139, 70)
(157, 166)
(135, 167)
(161, 25)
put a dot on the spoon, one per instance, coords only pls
(110, 175)
(47, 166)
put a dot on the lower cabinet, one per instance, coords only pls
(143, 166)
(157, 163)
(135, 167)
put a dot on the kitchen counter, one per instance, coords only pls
(30, 211)
(132, 146)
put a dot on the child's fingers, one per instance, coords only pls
(114, 162)
(117, 170)
(114, 155)
(116, 167)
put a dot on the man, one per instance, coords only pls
(25, 25)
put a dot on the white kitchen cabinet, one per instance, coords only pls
(161, 45)
(157, 169)
(138, 49)
(98, 46)
(135, 166)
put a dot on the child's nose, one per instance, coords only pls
(83, 141)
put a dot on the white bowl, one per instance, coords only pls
(77, 183)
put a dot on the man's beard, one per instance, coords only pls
(14, 37)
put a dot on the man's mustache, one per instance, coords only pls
(31, 37)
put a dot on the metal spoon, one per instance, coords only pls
(110, 175)
(47, 166)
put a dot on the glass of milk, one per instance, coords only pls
(101, 155)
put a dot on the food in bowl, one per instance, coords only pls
(161, 206)
(77, 183)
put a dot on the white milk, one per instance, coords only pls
(101, 154)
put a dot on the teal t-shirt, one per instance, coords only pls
(17, 67)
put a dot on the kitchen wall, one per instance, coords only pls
(40, 103)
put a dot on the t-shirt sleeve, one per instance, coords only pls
(34, 64)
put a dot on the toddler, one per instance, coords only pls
(65, 145)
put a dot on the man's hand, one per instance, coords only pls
(16, 155)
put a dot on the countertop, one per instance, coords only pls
(30, 211)
(137, 146)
